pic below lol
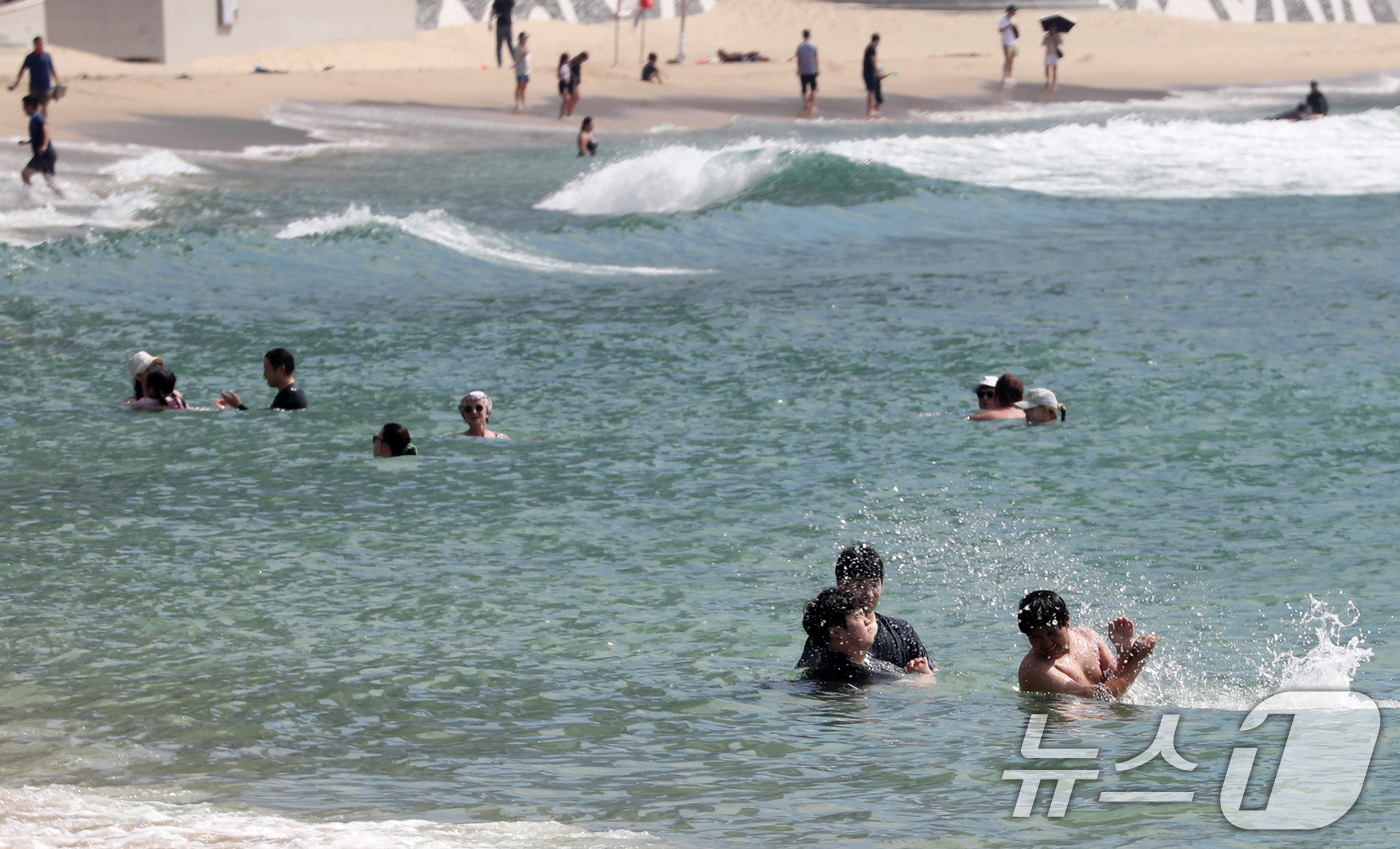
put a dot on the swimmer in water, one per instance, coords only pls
(986, 393)
(160, 390)
(138, 366)
(838, 622)
(279, 370)
(393, 441)
(1077, 661)
(1041, 406)
(587, 145)
(860, 570)
(1009, 390)
(475, 408)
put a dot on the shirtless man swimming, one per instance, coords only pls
(1077, 661)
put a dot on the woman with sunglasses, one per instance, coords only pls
(476, 412)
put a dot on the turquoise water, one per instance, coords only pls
(721, 357)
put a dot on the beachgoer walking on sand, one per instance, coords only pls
(45, 157)
(566, 86)
(807, 70)
(521, 54)
(576, 80)
(1317, 101)
(873, 75)
(42, 76)
(1053, 54)
(587, 145)
(1009, 33)
(501, 11)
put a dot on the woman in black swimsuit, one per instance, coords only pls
(587, 145)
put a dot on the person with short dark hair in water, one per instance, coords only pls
(1077, 661)
(587, 144)
(1009, 390)
(859, 570)
(651, 73)
(45, 157)
(279, 367)
(1317, 101)
(393, 441)
(838, 622)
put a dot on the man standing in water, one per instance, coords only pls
(1317, 101)
(860, 571)
(1077, 661)
(807, 70)
(42, 76)
(44, 155)
(278, 368)
(501, 10)
(1008, 31)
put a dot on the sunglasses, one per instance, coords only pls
(468, 408)
(985, 393)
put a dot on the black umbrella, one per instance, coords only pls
(1058, 21)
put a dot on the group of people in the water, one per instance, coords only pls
(848, 642)
(1314, 106)
(153, 387)
(1006, 397)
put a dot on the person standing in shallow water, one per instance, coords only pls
(278, 370)
(861, 572)
(808, 67)
(475, 408)
(587, 145)
(45, 158)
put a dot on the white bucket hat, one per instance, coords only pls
(1039, 397)
(140, 361)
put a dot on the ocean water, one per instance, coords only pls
(721, 356)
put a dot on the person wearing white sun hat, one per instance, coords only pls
(138, 366)
(1041, 407)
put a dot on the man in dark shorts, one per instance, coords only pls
(42, 76)
(859, 570)
(44, 155)
(278, 368)
(501, 11)
(871, 72)
(844, 631)
(807, 70)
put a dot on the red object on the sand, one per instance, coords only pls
(647, 4)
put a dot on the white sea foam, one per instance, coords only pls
(1128, 157)
(154, 165)
(477, 242)
(63, 817)
(675, 178)
(1326, 660)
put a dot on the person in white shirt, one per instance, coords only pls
(807, 70)
(521, 54)
(1008, 31)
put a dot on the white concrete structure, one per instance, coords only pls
(20, 21)
(1269, 11)
(180, 31)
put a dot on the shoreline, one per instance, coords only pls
(948, 61)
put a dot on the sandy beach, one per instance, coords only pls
(946, 60)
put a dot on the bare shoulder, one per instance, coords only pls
(1033, 670)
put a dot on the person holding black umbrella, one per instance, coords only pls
(1055, 27)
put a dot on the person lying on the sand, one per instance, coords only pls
(752, 56)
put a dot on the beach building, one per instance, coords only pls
(180, 31)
